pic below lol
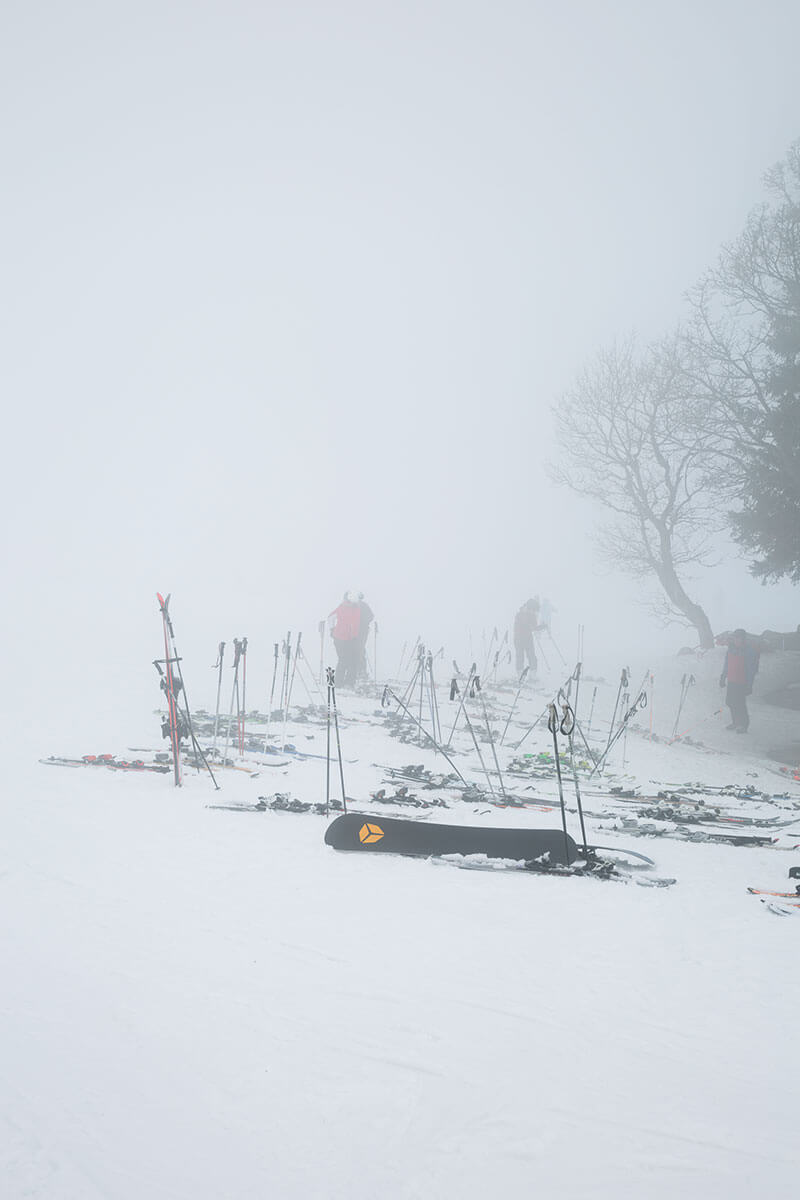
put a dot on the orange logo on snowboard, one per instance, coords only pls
(370, 833)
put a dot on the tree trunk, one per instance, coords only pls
(678, 598)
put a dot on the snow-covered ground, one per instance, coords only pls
(210, 1004)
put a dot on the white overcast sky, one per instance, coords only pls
(288, 291)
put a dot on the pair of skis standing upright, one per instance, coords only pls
(172, 684)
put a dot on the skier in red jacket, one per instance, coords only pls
(739, 671)
(345, 625)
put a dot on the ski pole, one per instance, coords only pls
(387, 692)
(564, 690)
(375, 648)
(271, 694)
(453, 693)
(290, 687)
(555, 643)
(623, 683)
(412, 653)
(492, 641)
(176, 658)
(696, 725)
(491, 738)
(686, 683)
(568, 726)
(218, 663)
(645, 678)
(577, 677)
(198, 750)
(243, 705)
(427, 675)
(305, 663)
(171, 726)
(591, 753)
(540, 648)
(437, 725)
(530, 728)
(680, 706)
(514, 705)
(237, 653)
(297, 653)
(421, 674)
(338, 742)
(476, 685)
(328, 748)
(167, 684)
(639, 702)
(567, 685)
(287, 654)
(411, 685)
(552, 725)
(321, 628)
(304, 682)
(591, 712)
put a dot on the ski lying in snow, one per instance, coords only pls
(784, 909)
(215, 759)
(295, 753)
(402, 796)
(599, 869)
(624, 856)
(782, 895)
(682, 833)
(105, 760)
(278, 803)
(707, 820)
(258, 762)
(396, 835)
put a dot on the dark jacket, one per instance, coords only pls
(526, 622)
(367, 617)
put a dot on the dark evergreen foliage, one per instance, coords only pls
(746, 346)
(768, 524)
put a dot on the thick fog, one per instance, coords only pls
(289, 291)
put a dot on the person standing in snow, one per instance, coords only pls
(546, 613)
(739, 671)
(345, 623)
(526, 622)
(367, 617)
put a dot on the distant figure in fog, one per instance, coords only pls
(526, 622)
(546, 613)
(367, 617)
(345, 624)
(739, 671)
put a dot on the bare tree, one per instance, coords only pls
(622, 430)
(743, 363)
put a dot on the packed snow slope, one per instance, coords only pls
(208, 1004)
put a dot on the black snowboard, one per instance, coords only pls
(393, 835)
